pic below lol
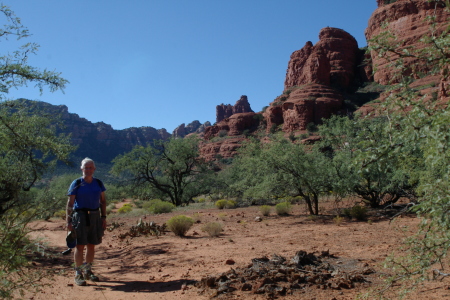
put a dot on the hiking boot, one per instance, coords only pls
(89, 275)
(79, 279)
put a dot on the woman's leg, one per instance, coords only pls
(90, 253)
(78, 255)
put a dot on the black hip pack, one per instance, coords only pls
(87, 211)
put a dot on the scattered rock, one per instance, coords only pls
(279, 276)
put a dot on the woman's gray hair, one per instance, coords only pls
(85, 161)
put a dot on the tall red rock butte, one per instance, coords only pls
(318, 75)
(315, 78)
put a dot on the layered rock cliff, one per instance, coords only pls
(316, 77)
(331, 62)
(409, 21)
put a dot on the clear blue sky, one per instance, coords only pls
(161, 63)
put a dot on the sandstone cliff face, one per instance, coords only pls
(407, 20)
(307, 104)
(224, 111)
(332, 61)
(222, 149)
(315, 78)
(233, 125)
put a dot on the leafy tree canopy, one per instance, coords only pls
(172, 169)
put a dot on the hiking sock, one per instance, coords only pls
(87, 272)
(79, 278)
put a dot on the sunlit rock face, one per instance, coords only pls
(408, 21)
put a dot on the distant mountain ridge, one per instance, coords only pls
(98, 141)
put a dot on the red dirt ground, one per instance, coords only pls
(150, 267)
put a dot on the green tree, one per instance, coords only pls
(281, 168)
(424, 125)
(29, 148)
(375, 174)
(172, 169)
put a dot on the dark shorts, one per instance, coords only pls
(91, 234)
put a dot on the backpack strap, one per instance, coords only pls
(78, 184)
(100, 183)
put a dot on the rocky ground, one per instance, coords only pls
(278, 257)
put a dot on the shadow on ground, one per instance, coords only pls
(144, 286)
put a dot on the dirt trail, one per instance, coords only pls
(149, 267)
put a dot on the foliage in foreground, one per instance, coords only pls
(29, 148)
(425, 129)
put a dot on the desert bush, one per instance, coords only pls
(126, 208)
(223, 133)
(213, 228)
(201, 200)
(359, 212)
(109, 208)
(157, 206)
(265, 210)
(231, 204)
(60, 214)
(283, 208)
(179, 225)
(220, 204)
(338, 220)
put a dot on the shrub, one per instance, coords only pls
(230, 204)
(273, 128)
(265, 210)
(311, 127)
(201, 200)
(110, 207)
(60, 214)
(220, 204)
(292, 136)
(338, 220)
(157, 206)
(180, 224)
(359, 212)
(213, 228)
(223, 133)
(126, 208)
(283, 208)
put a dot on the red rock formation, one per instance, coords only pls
(307, 104)
(233, 125)
(332, 61)
(224, 111)
(312, 72)
(407, 20)
(225, 148)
